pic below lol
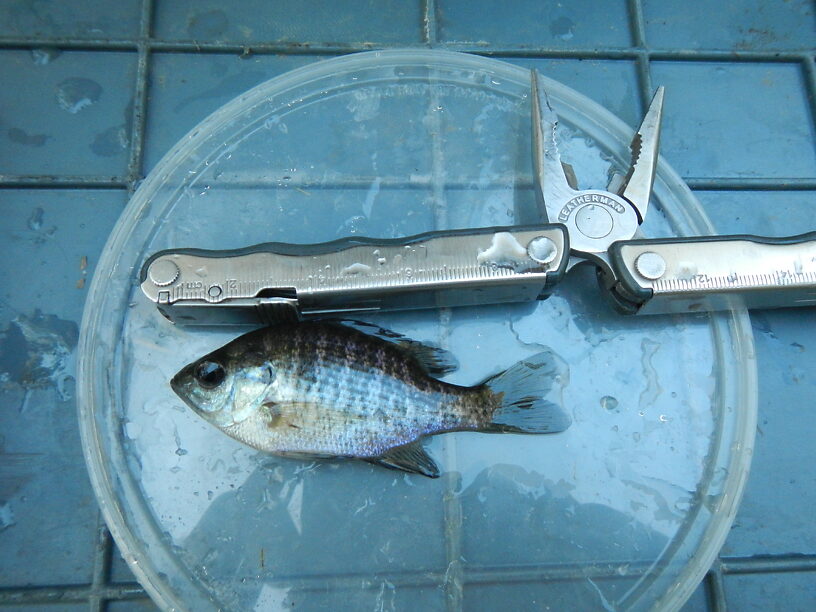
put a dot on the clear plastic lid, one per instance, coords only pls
(625, 510)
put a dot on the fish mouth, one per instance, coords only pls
(175, 384)
(178, 386)
(179, 390)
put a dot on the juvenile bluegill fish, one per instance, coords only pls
(332, 389)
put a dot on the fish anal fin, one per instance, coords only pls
(409, 457)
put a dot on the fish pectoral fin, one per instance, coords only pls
(409, 457)
(433, 359)
(306, 416)
(289, 414)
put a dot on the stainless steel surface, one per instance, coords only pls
(439, 269)
(709, 274)
(594, 219)
(637, 186)
(661, 276)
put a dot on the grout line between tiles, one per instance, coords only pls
(101, 566)
(397, 183)
(429, 25)
(750, 184)
(319, 48)
(8, 181)
(137, 134)
(787, 563)
(638, 37)
(769, 564)
(716, 589)
(61, 594)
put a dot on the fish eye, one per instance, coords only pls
(210, 374)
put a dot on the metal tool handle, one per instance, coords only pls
(712, 273)
(276, 281)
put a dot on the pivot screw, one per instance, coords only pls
(542, 250)
(163, 272)
(650, 265)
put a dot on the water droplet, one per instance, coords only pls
(76, 93)
(6, 516)
(44, 55)
(35, 221)
(610, 403)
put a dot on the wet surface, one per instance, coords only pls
(574, 24)
(22, 137)
(54, 239)
(82, 18)
(76, 93)
(34, 351)
(748, 25)
(649, 457)
(295, 21)
(72, 117)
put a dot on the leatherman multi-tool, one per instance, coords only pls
(274, 281)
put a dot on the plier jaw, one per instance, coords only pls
(595, 219)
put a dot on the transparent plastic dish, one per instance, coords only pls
(625, 510)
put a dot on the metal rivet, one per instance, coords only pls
(542, 250)
(163, 272)
(214, 291)
(594, 221)
(650, 265)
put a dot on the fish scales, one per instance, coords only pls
(326, 389)
(372, 397)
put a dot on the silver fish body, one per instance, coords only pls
(329, 389)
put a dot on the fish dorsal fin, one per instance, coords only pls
(409, 457)
(434, 360)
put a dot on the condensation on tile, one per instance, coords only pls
(69, 113)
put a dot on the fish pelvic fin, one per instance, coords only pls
(530, 396)
(410, 458)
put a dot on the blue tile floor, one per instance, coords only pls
(95, 94)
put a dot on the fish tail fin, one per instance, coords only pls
(524, 389)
